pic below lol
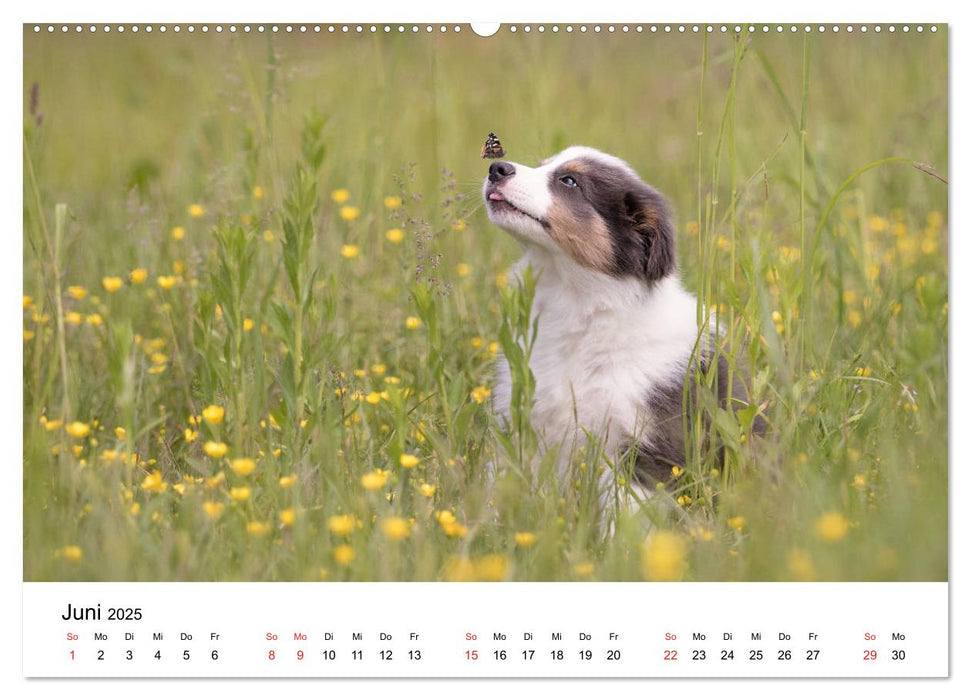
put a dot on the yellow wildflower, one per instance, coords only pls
(257, 192)
(213, 509)
(213, 414)
(153, 482)
(71, 553)
(832, 526)
(463, 269)
(248, 324)
(372, 481)
(52, 425)
(583, 568)
(288, 517)
(165, 281)
(77, 429)
(269, 236)
(94, 319)
(491, 567)
(394, 235)
(340, 196)
(525, 539)
(408, 461)
(77, 292)
(215, 449)
(458, 225)
(427, 490)
(197, 211)
(190, 434)
(800, 565)
(412, 323)
(663, 557)
(395, 528)
(257, 528)
(288, 481)
(216, 480)
(111, 284)
(392, 202)
(344, 554)
(28, 301)
(342, 525)
(350, 251)
(480, 394)
(349, 213)
(240, 493)
(242, 466)
(737, 523)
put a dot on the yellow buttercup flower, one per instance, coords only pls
(257, 192)
(349, 213)
(165, 281)
(340, 196)
(458, 225)
(583, 568)
(213, 414)
(480, 394)
(269, 236)
(138, 275)
(190, 434)
(153, 482)
(349, 251)
(525, 539)
(427, 490)
(112, 284)
(408, 461)
(373, 398)
(212, 509)
(288, 481)
(53, 425)
(257, 528)
(288, 517)
(94, 319)
(242, 466)
(28, 301)
(77, 292)
(178, 233)
(344, 554)
(832, 526)
(73, 318)
(663, 557)
(71, 553)
(392, 202)
(240, 493)
(395, 528)
(216, 480)
(737, 523)
(800, 565)
(412, 323)
(463, 269)
(248, 324)
(372, 481)
(394, 235)
(342, 525)
(197, 211)
(215, 449)
(77, 429)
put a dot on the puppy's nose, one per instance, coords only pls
(500, 170)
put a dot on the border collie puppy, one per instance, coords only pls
(615, 328)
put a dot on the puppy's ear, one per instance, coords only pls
(650, 218)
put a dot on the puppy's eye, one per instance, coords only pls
(569, 181)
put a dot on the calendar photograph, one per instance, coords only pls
(410, 303)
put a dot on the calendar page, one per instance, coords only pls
(541, 349)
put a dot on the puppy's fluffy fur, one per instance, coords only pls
(616, 329)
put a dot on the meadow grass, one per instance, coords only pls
(262, 303)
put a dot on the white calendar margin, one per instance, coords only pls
(257, 629)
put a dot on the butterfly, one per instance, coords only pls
(492, 148)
